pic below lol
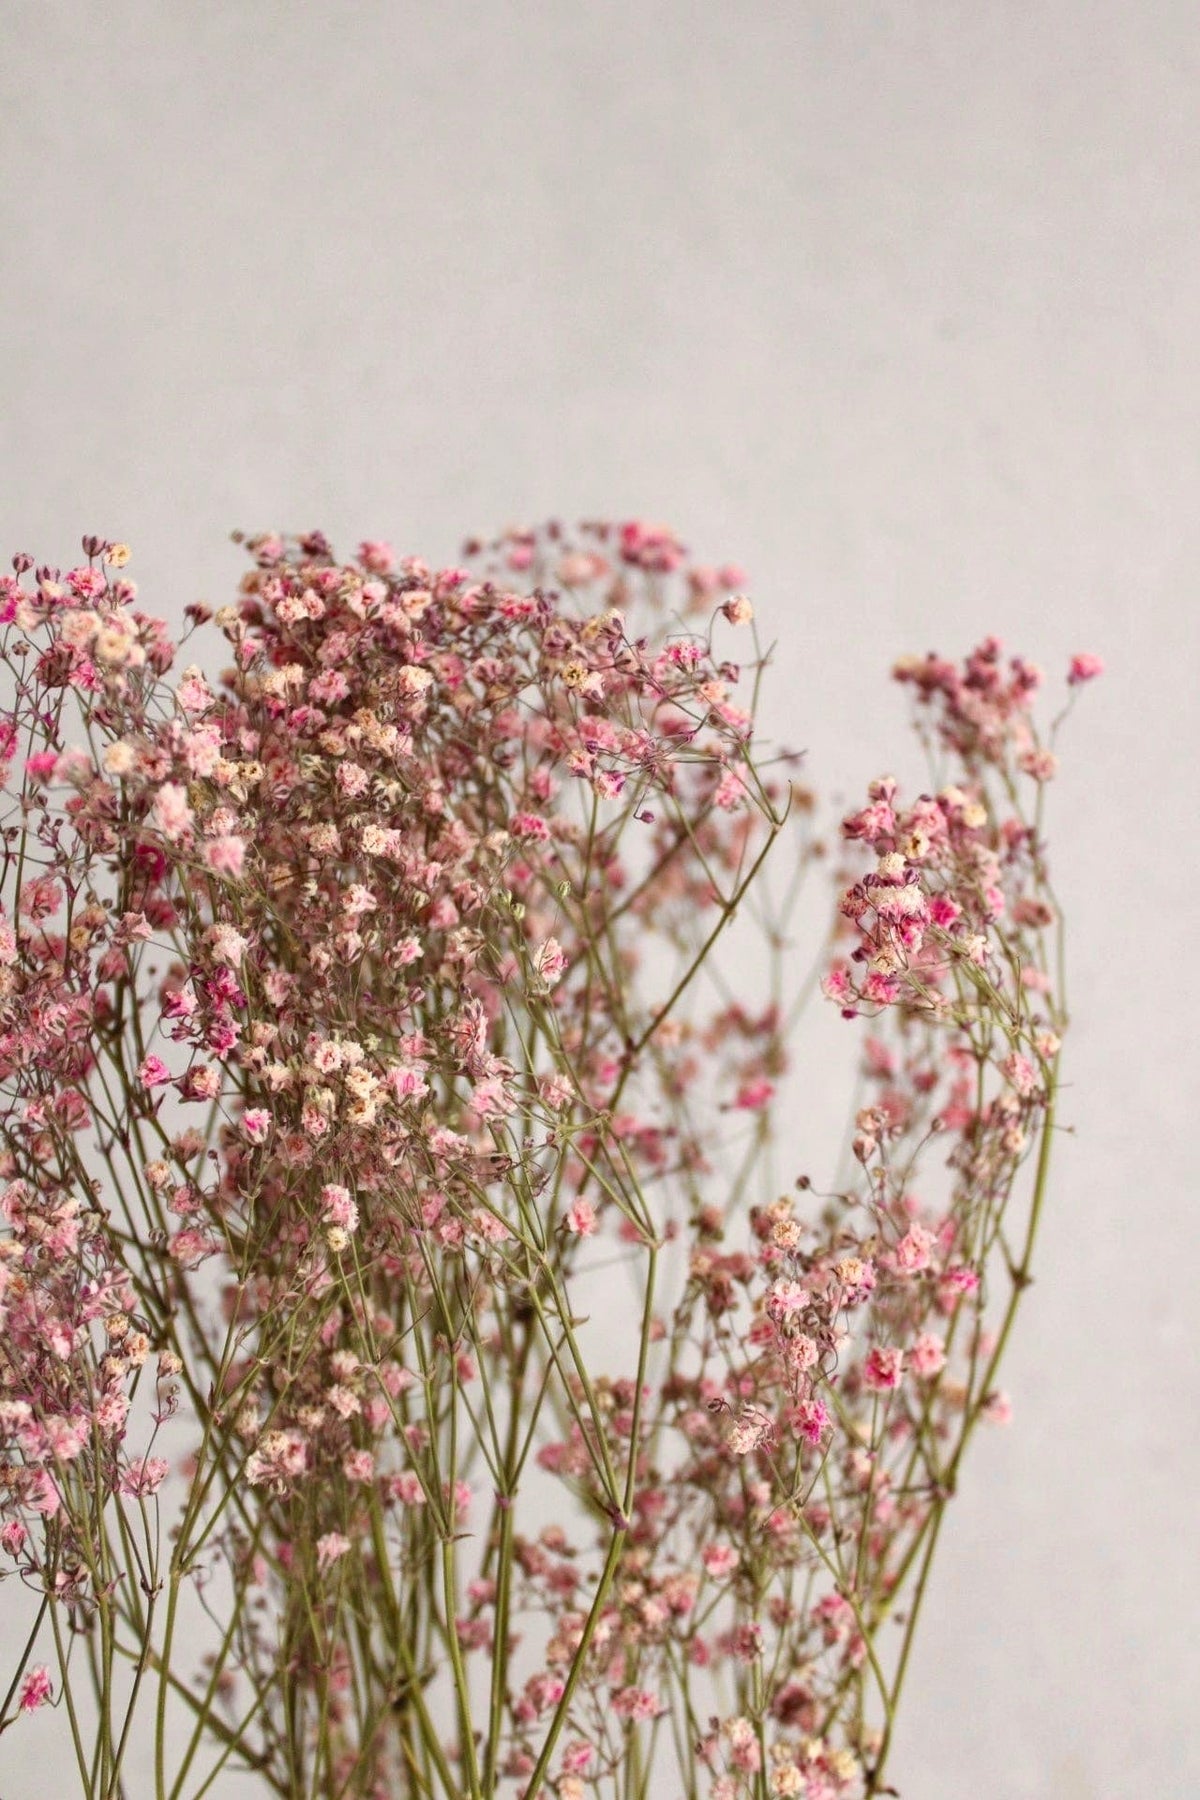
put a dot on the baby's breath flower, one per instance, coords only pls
(413, 895)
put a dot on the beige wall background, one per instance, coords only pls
(894, 303)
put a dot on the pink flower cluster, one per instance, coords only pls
(71, 1349)
(350, 1029)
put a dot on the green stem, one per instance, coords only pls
(593, 1619)
(461, 1689)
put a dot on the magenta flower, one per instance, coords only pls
(883, 1368)
(256, 1124)
(153, 1072)
(36, 1688)
(1085, 666)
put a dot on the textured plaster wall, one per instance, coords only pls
(894, 303)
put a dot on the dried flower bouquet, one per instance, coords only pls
(424, 1370)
